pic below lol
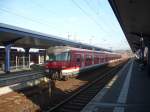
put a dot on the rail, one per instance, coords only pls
(20, 77)
(79, 99)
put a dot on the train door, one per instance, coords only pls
(77, 60)
(82, 60)
(88, 60)
(101, 59)
(96, 59)
(104, 58)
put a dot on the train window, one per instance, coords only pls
(78, 59)
(96, 59)
(51, 57)
(88, 58)
(64, 56)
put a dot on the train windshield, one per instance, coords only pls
(64, 56)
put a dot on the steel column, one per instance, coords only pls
(7, 58)
(45, 56)
(148, 59)
(39, 59)
(27, 55)
(29, 60)
(26, 51)
(142, 48)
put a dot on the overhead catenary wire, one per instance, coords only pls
(49, 10)
(90, 17)
(41, 6)
(24, 17)
(108, 12)
(27, 18)
(99, 16)
(90, 7)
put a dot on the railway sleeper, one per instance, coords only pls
(66, 110)
(83, 98)
(91, 92)
(95, 88)
(72, 107)
(87, 96)
(77, 103)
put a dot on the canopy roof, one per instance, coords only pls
(134, 18)
(25, 38)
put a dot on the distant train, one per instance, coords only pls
(64, 61)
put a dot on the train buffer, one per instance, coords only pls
(128, 91)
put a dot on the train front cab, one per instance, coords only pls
(55, 63)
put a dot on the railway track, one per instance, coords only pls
(78, 100)
(19, 78)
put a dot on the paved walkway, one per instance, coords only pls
(128, 91)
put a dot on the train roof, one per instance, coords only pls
(59, 49)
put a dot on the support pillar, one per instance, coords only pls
(27, 57)
(29, 60)
(39, 59)
(26, 51)
(142, 47)
(142, 54)
(23, 59)
(148, 60)
(45, 54)
(16, 62)
(7, 58)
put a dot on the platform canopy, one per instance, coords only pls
(25, 38)
(134, 18)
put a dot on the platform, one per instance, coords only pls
(128, 91)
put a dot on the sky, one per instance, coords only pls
(88, 21)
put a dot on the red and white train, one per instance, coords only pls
(64, 61)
